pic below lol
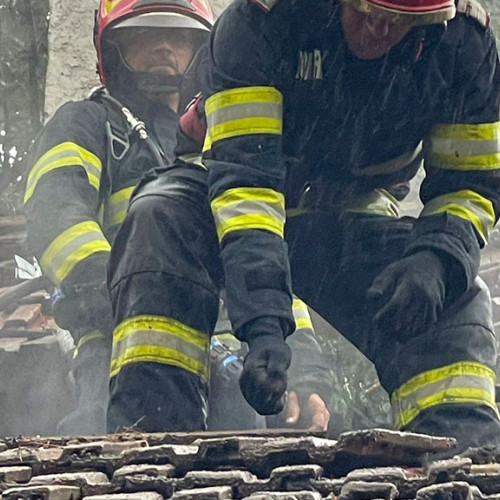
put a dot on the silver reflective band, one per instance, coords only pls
(393, 165)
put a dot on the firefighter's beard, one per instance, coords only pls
(160, 87)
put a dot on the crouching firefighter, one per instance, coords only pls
(86, 163)
(167, 370)
(331, 107)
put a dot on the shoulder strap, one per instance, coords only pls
(474, 9)
(117, 130)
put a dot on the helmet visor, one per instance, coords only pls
(408, 12)
(161, 20)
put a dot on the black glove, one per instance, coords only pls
(84, 308)
(409, 294)
(263, 381)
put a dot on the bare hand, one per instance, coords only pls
(316, 416)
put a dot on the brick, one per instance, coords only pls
(90, 483)
(456, 490)
(17, 456)
(295, 477)
(144, 495)
(42, 493)
(328, 486)
(181, 456)
(261, 455)
(15, 474)
(205, 479)
(152, 470)
(378, 474)
(384, 447)
(214, 493)
(485, 469)
(118, 447)
(442, 471)
(361, 490)
(285, 495)
(143, 482)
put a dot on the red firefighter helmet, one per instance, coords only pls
(412, 12)
(191, 14)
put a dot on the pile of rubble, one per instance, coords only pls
(265, 465)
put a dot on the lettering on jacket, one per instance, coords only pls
(310, 65)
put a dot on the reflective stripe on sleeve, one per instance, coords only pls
(243, 111)
(158, 339)
(465, 146)
(377, 202)
(94, 334)
(467, 205)
(458, 383)
(71, 247)
(249, 208)
(117, 206)
(393, 165)
(301, 315)
(66, 154)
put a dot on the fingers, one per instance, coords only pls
(264, 392)
(292, 408)
(316, 417)
(320, 416)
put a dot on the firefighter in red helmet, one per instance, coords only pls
(329, 108)
(86, 163)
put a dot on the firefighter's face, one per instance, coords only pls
(370, 35)
(156, 50)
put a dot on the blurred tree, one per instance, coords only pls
(23, 63)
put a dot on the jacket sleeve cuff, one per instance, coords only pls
(455, 241)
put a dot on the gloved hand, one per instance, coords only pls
(312, 414)
(409, 294)
(84, 308)
(263, 381)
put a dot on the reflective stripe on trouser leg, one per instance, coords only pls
(464, 332)
(461, 382)
(162, 340)
(449, 387)
(165, 304)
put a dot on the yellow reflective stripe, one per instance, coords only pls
(301, 315)
(242, 95)
(66, 154)
(467, 205)
(243, 111)
(462, 382)
(249, 208)
(95, 334)
(117, 206)
(71, 247)
(377, 202)
(467, 131)
(160, 340)
(465, 146)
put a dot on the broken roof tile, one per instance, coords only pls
(42, 493)
(212, 493)
(363, 490)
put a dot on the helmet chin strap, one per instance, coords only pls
(157, 83)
